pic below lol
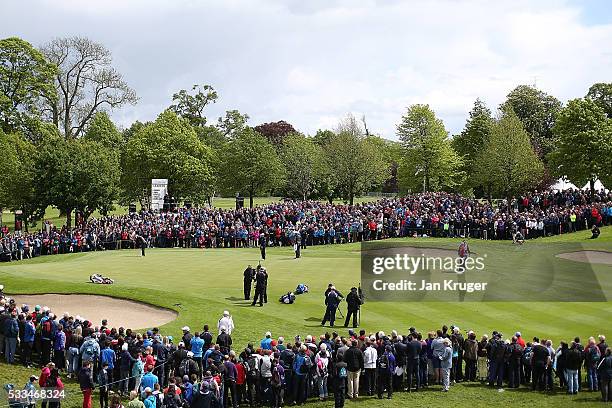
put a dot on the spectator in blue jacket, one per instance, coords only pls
(148, 381)
(266, 343)
(385, 370)
(59, 347)
(197, 348)
(11, 332)
(108, 356)
(28, 341)
(300, 375)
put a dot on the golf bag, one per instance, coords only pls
(288, 298)
(100, 280)
(301, 288)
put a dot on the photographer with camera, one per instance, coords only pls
(261, 286)
(353, 303)
(332, 300)
(249, 277)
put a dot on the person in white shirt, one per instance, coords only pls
(226, 322)
(370, 355)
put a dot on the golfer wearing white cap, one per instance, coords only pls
(226, 322)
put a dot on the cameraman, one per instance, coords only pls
(353, 303)
(332, 299)
(261, 283)
(249, 276)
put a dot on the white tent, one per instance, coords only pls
(598, 186)
(563, 184)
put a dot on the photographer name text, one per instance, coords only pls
(448, 285)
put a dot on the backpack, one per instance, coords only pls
(594, 355)
(383, 362)
(170, 401)
(277, 378)
(323, 370)
(516, 351)
(287, 357)
(265, 363)
(89, 348)
(217, 357)
(305, 367)
(251, 366)
(46, 329)
(184, 367)
(527, 357)
(301, 288)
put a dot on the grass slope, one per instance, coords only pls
(206, 282)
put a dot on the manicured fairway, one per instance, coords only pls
(200, 284)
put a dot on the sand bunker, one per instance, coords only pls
(594, 257)
(118, 312)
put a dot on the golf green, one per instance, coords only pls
(201, 284)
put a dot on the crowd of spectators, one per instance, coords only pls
(204, 369)
(441, 214)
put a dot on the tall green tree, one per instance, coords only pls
(250, 165)
(304, 166)
(471, 140)
(430, 162)
(17, 178)
(508, 164)
(25, 75)
(103, 130)
(233, 123)
(191, 107)
(167, 148)
(76, 175)
(86, 82)
(392, 153)
(601, 94)
(537, 112)
(584, 143)
(355, 163)
(322, 137)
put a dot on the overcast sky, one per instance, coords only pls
(310, 62)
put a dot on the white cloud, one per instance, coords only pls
(312, 62)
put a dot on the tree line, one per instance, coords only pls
(60, 148)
